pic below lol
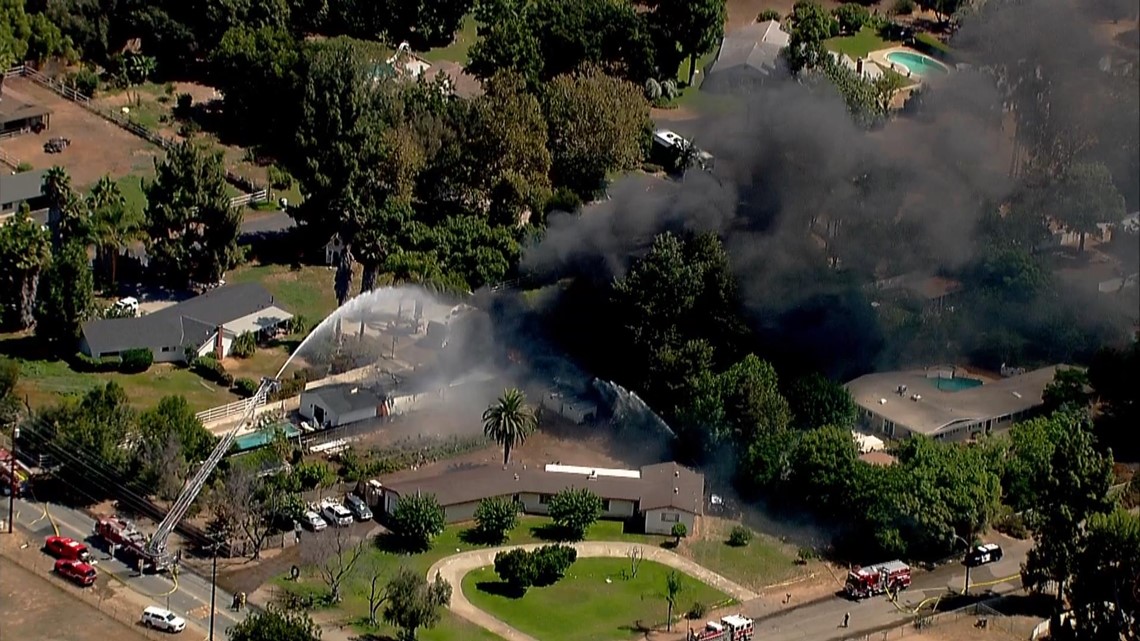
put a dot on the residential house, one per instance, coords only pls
(946, 403)
(19, 116)
(748, 59)
(201, 326)
(22, 188)
(342, 404)
(653, 498)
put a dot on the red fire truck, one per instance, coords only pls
(730, 628)
(876, 579)
(128, 542)
(22, 473)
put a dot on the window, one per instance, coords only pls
(670, 517)
(167, 349)
(544, 499)
(605, 505)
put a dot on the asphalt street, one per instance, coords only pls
(188, 595)
(823, 620)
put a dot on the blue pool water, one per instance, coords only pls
(262, 437)
(956, 384)
(917, 63)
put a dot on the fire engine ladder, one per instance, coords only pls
(157, 544)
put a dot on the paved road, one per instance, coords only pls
(190, 598)
(454, 567)
(822, 621)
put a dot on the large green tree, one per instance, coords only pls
(597, 124)
(509, 420)
(253, 68)
(693, 27)
(65, 299)
(414, 603)
(25, 250)
(816, 401)
(417, 520)
(825, 461)
(1104, 594)
(171, 440)
(1086, 196)
(114, 225)
(275, 624)
(191, 228)
(1118, 422)
(1074, 488)
(575, 510)
(506, 41)
(811, 24)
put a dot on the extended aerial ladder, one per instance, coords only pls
(156, 546)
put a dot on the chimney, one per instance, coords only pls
(859, 66)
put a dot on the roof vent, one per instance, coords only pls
(882, 401)
(593, 475)
(676, 474)
(516, 477)
(676, 490)
(1017, 394)
(916, 398)
(354, 390)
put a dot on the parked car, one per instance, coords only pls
(313, 521)
(358, 507)
(337, 514)
(61, 547)
(76, 571)
(983, 554)
(160, 619)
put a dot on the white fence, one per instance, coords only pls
(9, 159)
(261, 195)
(230, 409)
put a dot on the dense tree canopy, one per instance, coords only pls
(65, 299)
(275, 624)
(24, 253)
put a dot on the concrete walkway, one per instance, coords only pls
(455, 567)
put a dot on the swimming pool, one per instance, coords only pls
(956, 384)
(917, 63)
(262, 437)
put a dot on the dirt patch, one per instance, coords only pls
(962, 627)
(97, 147)
(34, 606)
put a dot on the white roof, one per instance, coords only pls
(257, 321)
(595, 471)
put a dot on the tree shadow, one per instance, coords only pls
(553, 532)
(500, 588)
(475, 536)
(637, 627)
(393, 543)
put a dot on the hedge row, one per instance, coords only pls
(211, 369)
(132, 361)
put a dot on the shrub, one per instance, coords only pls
(680, 531)
(740, 536)
(279, 178)
(903, 7)
(575, 510)
(226, 379)
(803, 555)
(210, 369)
(516, 568)
(652, 89)
(669, 90)
(84, 363)
(245, 387)
(85, 81)
(298, 325)
(696, 611)
(418, 519)
(769, 14)
(550, 563)
(852, 17)
(136, 360)
(182, 105)
(24, 166)
(563, 199)
(245, 345)
(652, 168)
(495, 517)
(1012, 524)
(189, 128)
(291, 387)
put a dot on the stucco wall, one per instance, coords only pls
(662, 521)
(618, 509)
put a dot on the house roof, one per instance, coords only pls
(757, 45)
(12, 110)
(190, 322)
(936, 409)
(343, 398)
(665, 485)
(17, 188)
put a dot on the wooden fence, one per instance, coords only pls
(9, 159)
(259, 196)
(238, 408)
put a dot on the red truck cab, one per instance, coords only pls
(62, 547)
(76, 571)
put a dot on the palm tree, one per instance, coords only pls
(509, 421)
(114, 226)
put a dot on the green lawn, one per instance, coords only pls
(593, 601)
(45, 381)
(307, 291)
(457, 50)
(860, 44)
(761, 563)
(454, 539)
(932, 41)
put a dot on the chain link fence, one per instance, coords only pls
(984, 619)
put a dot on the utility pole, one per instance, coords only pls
(966, 588)
(12, 475)
(213, 586)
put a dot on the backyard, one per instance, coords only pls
(860, 44)
(763, 562)
(597, 599)
(305, 291)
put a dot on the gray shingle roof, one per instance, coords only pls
(654, 490)
(758, 46)
(190, 322)
(345, 398)
(16, 188)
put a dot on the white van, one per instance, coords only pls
(160, 619)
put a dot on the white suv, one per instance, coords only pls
(313, 521)
(160, 619)
(337, 514)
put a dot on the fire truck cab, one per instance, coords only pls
(869, 581)
(62, 547)
(730, 628)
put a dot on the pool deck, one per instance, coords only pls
(879, 57)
